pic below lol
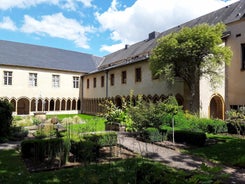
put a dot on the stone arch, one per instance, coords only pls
(179, 99)
(23, 106)
(68, 104)
(57, 105)
(40, 105)
(155, 99)
(79, 105)
(118, 101)
(51, 105)
(216, 107)
(46, 105)
(63, 105)
(33, 105)
(73, 104)
(13, 102)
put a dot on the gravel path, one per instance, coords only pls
(174, 158)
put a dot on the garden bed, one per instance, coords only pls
(107, 154)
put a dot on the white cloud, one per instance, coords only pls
(8, 4)
(111, 48)
(144, 16)
(73, 4)
(58, 26)
(66, 4)
(8, 24)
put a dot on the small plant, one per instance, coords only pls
(236, 121)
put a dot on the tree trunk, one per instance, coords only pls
(195, 96)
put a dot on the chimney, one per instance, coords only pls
(126, 46)
(153, 35)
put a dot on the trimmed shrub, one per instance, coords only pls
(38, 149)
(151, 134)
(193, 138)
(87, 149)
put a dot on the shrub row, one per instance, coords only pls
(88, 148)
(151, 134)
(193, 138)
(193, 123)
(40, 149)
(181, 136)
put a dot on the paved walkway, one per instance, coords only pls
(173, 157)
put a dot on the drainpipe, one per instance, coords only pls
(81, 101)
(106, 83)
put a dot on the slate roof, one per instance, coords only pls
(228, 14)
(19, 54)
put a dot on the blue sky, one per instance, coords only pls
(96, 27)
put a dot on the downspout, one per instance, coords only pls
(106, 83)
(81, 87)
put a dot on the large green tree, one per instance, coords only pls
(190, 54)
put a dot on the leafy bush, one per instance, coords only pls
(236, 121)
(148, 114)
(185, 121)
(6, 110)
(151, 135)
(193, 138)
(18, 133)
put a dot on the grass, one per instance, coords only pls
(137, 170)
(228, 150)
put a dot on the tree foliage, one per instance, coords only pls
(190, 54)
(6, 110)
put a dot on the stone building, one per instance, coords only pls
(36, 78)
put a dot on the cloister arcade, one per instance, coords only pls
(93, 105)
(26, 106)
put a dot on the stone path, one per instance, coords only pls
(173, 157)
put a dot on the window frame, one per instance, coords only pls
(87, 83)
(138, 74)
(8, 78)
(55, 81)
(75, 82)
(243, 56)
(95, 81)
(112, 79)
(102, 81)
(124, 77)
(33, 79)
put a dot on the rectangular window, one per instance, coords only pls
(124, 77)
(87, 83)
(138, 75)
(243, 55)
(8, 77)
(55, 81)
(102, 81)
(95, 82)
(75, 82)
(33, 79)
(112, 77)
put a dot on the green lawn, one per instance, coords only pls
(228, 150)
(137, 170)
